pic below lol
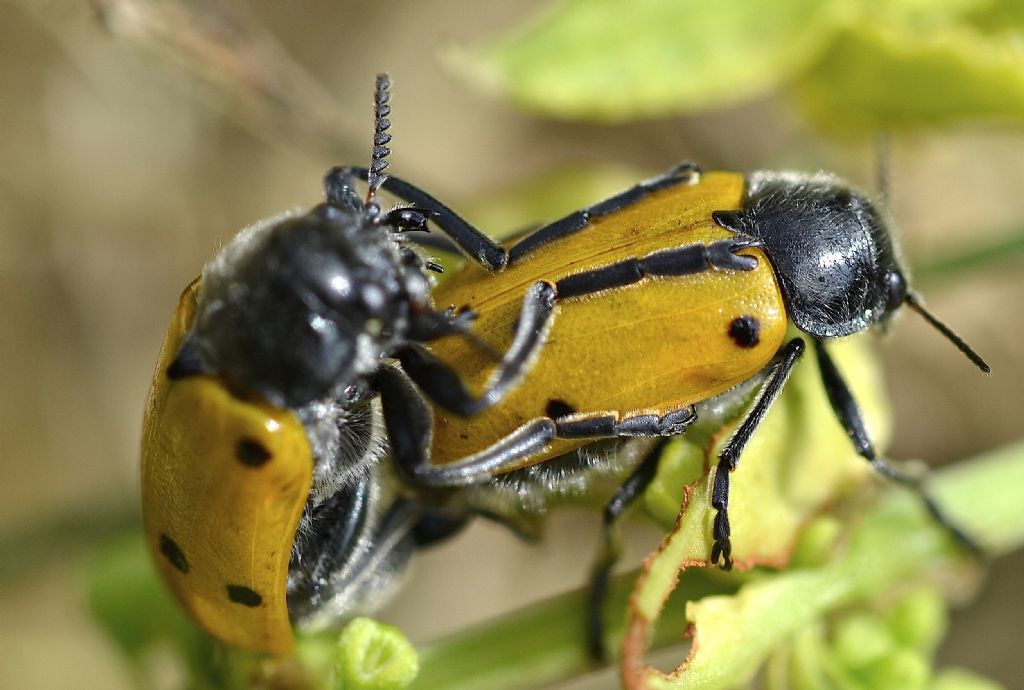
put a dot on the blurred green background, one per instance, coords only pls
(137, 137)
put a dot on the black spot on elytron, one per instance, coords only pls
(251, 452)
(244, 596)
(558, 408)
(173, 553)
(745, 331)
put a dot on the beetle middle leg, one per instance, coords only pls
(680, 261)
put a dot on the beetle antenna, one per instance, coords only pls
(883, 178)
(381, 124)
(912, 301)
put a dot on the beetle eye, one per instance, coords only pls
(896, 287)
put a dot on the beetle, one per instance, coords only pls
(265, 501)
(261, 437)
(672, 300)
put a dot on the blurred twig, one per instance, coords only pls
(542, 644)
(238, 64)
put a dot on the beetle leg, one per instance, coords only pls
(610, 426)
(685, 260)
(340, 189)
(409, 424)
(444, 385)
(684, 173)
(729, 458)
(611, 547)
(473, 243)
(437, 525)
(429, 325)
(850, 416)
(353, 541)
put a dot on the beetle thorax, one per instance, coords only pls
(830, 249)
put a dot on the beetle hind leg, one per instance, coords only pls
(609, 425)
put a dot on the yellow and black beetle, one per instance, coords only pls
(260, 488)
(672, 301)
(626, 320)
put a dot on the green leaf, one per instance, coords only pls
(893, 545)
(879, 76)
(374, 656)
(920, 619)
(798, 460)
(893, 542)
(545, 642)
(128, 600)
(861, 639)
(962, 679)
(613, 61)
(861, 65)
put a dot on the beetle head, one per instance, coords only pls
(302, 305)
(832, 252)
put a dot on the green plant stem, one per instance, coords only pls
(1008, 246)
(543, 645)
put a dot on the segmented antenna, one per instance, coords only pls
(912, 301)
(381, 124)
(883, 178)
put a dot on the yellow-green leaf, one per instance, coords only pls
(879, 77)
(612, 61)
(799, 460)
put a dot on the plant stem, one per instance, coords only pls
(543, 644)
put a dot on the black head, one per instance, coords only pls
(832, 252)
(304, 305)
(301, 306)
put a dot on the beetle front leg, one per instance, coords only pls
(473, 243)
(729, 457)
(850, 416)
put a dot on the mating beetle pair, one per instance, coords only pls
(266, 500)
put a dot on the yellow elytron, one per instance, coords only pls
(224, 480)
(655, 346)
